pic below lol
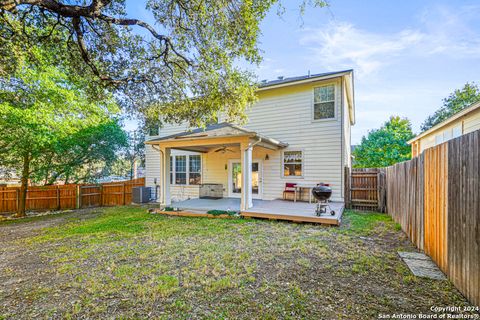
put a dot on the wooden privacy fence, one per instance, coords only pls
(70, 196)
(436, 199)
(365, 189)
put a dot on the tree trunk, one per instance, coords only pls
(24, 186)
(131, 169)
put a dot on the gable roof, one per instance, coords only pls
(447, 121)
(219, 130)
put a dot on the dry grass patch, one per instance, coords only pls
(126, 263)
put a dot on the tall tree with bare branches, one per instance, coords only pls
(183, 66)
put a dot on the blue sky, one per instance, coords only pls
(407, 55)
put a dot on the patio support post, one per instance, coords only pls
(246, 162)
(165, 200)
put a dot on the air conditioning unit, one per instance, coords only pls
(141, 194)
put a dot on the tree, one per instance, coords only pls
(81, 156)
(385, 146)
(455, 102)
(44, 117)
(129, 157)
(184, 66)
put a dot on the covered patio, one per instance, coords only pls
(233, 159)
(267, 209)
(215, 138)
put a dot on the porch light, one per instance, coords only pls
(267, 157)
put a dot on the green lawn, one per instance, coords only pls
(126, 263)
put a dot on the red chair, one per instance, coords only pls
(289, 189)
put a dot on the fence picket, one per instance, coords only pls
(69, 196)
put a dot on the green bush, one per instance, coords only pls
(220, 212)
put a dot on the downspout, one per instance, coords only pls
(251, 145)
(343, 142)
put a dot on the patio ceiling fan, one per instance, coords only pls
(224, 149)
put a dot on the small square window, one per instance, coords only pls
(292, 163)
(324, 102)
(457, 131)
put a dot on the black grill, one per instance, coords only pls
(322, 193)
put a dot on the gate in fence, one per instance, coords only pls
(365, 189)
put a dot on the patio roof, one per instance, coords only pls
(222, 132)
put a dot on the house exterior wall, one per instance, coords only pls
(285, 114)
(466, 124)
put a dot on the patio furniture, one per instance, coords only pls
(289, 189)
(309, 186)
(301, 186)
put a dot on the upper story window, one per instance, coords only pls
(185, 170)
(324, 102)
(292, 162)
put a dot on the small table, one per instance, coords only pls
(301, 186)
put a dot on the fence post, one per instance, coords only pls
(381, 190)
(58, 198)
(101, 195)
(79, 197)
(17, 199)
(124, 193)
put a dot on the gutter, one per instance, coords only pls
(298, 82)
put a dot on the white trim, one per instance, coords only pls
(335, 102)
(187, 167)
(230, 181)
(282, 163)
(308, 80)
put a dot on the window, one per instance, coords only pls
(186, 170)
(324, 102)
(292, 163)
(195, 168)
(180, 169)
(457, 131)
(438, 138)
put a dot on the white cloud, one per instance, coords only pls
(341, 45)
(441, 31)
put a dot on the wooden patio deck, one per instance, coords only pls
(266, 209)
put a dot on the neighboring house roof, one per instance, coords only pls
(283, 82)
(218, 130)
(447, 121)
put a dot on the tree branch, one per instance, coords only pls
(94, 11)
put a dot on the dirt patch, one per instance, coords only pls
(127, 263)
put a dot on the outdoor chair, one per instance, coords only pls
(289, 189)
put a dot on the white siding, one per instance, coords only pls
(468, 123)
(472, 122)
(152, 168)
(285, 114)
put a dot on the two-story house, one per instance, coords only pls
(297, 132)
